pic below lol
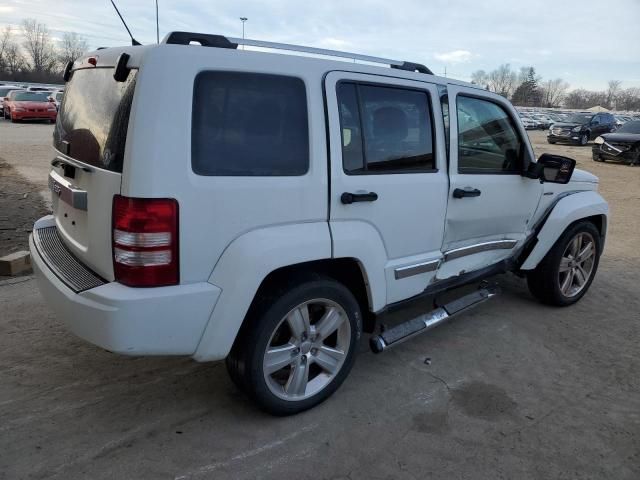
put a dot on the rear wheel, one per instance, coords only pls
(566, 272)
(297, 346)
(552, 142)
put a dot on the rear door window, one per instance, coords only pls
(249, 124)
(385, 129)
(94, 117)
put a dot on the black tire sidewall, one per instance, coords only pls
(263, 327)
(547, 271)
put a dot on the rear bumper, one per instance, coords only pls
(130, 321)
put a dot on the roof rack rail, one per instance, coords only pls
(220, 41)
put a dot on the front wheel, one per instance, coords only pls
(584, 139)
(297, 346)
(566, 272)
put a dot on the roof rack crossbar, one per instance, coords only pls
(185, 38)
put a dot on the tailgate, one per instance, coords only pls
(90, 138)
(82, 209)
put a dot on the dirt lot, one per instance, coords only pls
(514, 389)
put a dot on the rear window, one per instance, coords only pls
(249, 124)
(94, 116)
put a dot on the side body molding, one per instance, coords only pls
(243, 266)
(568, 210)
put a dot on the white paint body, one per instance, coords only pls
(234, 231)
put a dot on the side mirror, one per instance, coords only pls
(51, 99)
(552, 168)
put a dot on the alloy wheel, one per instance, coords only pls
(307, 349)
(576, 264)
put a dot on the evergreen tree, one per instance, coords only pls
(528, 94)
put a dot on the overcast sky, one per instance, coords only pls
(586, 42)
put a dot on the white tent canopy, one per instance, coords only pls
(598, 108)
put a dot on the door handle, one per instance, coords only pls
(466, 192)
(348, 198)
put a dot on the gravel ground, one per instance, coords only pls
(514, 389)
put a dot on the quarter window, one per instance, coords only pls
(385, 129)
(249, 124)
(487, 139)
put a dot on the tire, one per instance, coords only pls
(584, 139)
(290, 324)
(553, 286)
(552, 142)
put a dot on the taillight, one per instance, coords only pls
(145, 241)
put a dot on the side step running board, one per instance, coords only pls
(427, 321)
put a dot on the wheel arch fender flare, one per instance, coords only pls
(568, 210)
(242, 267)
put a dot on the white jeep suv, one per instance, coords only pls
(290, 202)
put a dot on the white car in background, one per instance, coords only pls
(528, 123)
(4, 91)
(56, 98)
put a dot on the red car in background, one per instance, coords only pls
(26, 105)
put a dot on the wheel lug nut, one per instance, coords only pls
(296, 351)
(314, 351)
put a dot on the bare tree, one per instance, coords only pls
(502, 80)
(553, 92)
(628, 99)
(14, 61)
(71, 47)
(479, 77)
(612, 92)
(39, 46)
(11, 59)
(5, 38)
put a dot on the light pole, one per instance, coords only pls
(243, 19)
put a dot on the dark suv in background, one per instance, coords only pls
(581, 127)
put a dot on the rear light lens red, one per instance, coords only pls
(145, 241)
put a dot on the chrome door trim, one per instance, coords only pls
(416, 269)
(479, 247)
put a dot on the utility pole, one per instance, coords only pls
(157, 24)
(243, 19)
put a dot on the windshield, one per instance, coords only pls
(94, 116)
(578, 118)
(31, 97)
(630, 127)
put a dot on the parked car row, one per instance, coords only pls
(31, 103)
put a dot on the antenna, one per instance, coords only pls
(133, 40)
(157, 25)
